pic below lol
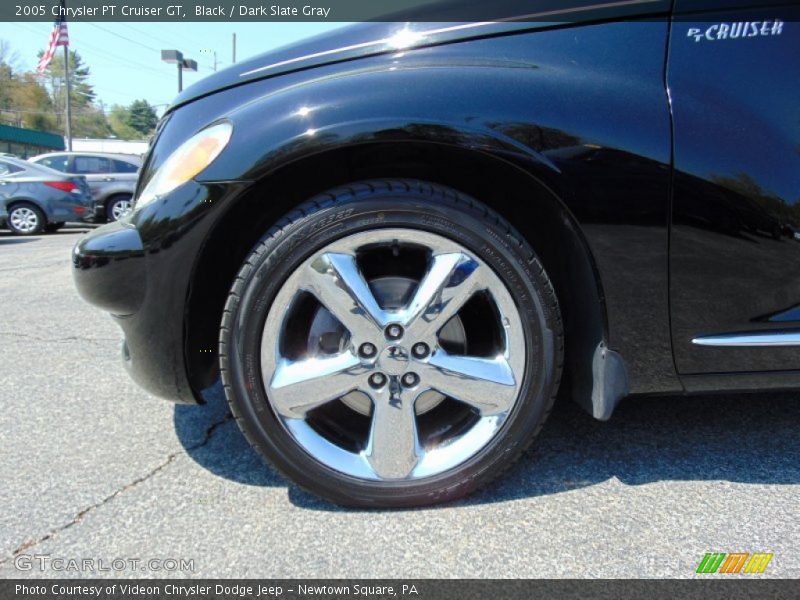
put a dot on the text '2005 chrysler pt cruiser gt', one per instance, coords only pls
(395, 243)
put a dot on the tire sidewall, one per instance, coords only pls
(284, 252)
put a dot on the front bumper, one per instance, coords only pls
(140, 270)
(111, 272)
(109, 268)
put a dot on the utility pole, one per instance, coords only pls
(68, 128)
(215, 61)
(234, 49)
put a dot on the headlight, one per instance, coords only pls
(191, 157)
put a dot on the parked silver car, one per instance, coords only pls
(35, 198)
(112, 178)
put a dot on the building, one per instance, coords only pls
(28, 142)
(109, 145)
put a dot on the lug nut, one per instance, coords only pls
(410, 379)
(394, 332)
(367, 350)
(377, 380)
(420, 350)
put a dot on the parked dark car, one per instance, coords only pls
(395, 243)
(112, 178)
(34, 199)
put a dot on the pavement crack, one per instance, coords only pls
(71, 338)
(209, 433)
(81, 514)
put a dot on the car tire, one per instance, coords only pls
(25, 218)
(53, 227)
(486, 389)
(118, 206)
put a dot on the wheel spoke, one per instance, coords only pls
(337, 283)
(299, 386)
(396, 330)
(487, 384)
(451, 280)
(393, 449)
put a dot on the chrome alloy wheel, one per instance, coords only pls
(120, 208)
(393, 376)
(24, 219)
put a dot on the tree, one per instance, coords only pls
(38, 102)
(82, 92)
(91, 122)
(133, 122)
(142, 117)
(82, 95)
(23, 100)
(8, 66)
(8, 56)
(118, 119)
(30, 100)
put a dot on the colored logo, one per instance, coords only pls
(739, 562)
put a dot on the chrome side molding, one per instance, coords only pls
(786, 337)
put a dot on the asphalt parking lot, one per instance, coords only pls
(93, 467)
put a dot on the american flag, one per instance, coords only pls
(58, 37)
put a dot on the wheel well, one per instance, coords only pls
(33, 203)
(521, 199)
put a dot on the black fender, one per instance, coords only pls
(571, 108)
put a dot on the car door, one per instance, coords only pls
(97, 170)
(126, 173)
(733, 74)
(8, 184)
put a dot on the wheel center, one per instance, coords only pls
(393, 360)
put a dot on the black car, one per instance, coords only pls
(394, 244)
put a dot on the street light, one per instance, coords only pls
(184, 64)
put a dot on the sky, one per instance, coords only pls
(125, 58)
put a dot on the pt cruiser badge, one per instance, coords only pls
(733, 31)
